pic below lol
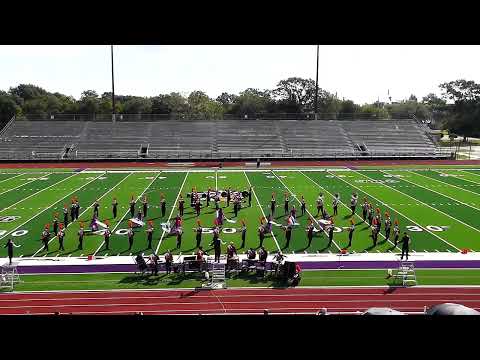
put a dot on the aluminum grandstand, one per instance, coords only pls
(136, 137)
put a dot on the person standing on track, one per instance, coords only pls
(61, 236)
(181, 205)
(10, 245)
(149, 234)
(405, 245)
(132, 207)
(303, 206)
(114, 207)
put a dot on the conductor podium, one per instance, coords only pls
(9, 276)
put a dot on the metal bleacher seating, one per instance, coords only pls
(215, 139)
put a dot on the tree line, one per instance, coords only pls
(293, 95)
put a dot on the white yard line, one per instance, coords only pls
(49, 206)
(473, 207)
(16, 187)
(443, 182)
(171, 212)
(309, 213)
(216, 180)
(13, 177)
(258, 202)
(431, 207)
(341, 202)
(406, 217)
(126, 213)
(84, 211)
(466, 172)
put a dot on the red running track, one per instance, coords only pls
(235, 301)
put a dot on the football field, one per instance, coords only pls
(438, 207)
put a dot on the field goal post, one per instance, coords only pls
(9, 276)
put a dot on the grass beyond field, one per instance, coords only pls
(439, 208)
(118, 281)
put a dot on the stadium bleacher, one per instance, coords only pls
(216, 139)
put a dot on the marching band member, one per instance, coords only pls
(179, 237)
(319, 205)
(198, 235)
(336, 201)
(272, 204)
(379, 219)
(353, 203)
(163, 204)
(65, 215)
(303, 206)
(374, 231)
(288, 232)
(106, 235)
(365, 209)
(261, 233)
(228, 197)
(96, 205)
(45, 236)
(286, 203)
(309, 230)
(81, 233)
(132, 207)
(396, 232)
(217, 200)
(331, 227)
(149, 232)
(114, 207)
(243, 229)
(197, 206)
(208, 197)
(181, 205)
(145, 205)
(350, 232)
(388, 224)
(72, 211)
(370, 214)
(55, 224)
(61, 236)
(131, 235)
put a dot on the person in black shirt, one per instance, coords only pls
(286, 204)
(303, 206)
(65, 215)
(132, 207)
(288, 234)
(198, 235)
(72, 211)
(405, 245)
(149, 234)
(114, 207)
(9, 245)
(163, 205)
(96, 205)
(181, 205)
(272, 205)
(261, 234)
(179, 237)
(77, 209)
(330, 235)
(197, 207)
(45, 237)
(250, 197)
(168, 261)
(106, 237)
(145, 205)
(350, 232)
(55, 225)
(243, 229)
(217, 248)
(228, 197)
(262, 254)
(208, 197)
(310, 232)
(154, 263)
(131, 235)
(80, 237)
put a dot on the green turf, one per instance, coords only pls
(417, 198)
(117, 281)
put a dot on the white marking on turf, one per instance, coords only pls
(406, 217)
(338, 247)
(48, 207)
(341, 202)
(472, 227)
(258, 202)
(13, 177)
(16, 187)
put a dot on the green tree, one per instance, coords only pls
(8, 107)
(89, 102)
(297, 92)
(28, 91)
(137, 105)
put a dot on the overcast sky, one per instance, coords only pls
(360, 73)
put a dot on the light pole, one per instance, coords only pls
(316, 88)
(113, 87)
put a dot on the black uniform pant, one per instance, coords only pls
(228, 202)
(80, 242)
(132, 211)
(404, 252)
(387, 233)
(350, 235)
(303, 209)
(168, 267)
(145, 210)
(375, 237)
(396, 240)
(330, 238)
(197, 209)
(235, 210)
(353, 209)
(60, 241)
(217, 254)
(208, 201)
(10, 256)
(149, 239)
(262, 237)
(181, 211)
(164, 209)
(310, 237)
(272, 209)
(45, 244)
(179, 242)
(95, 212)
(65, 220)
(288, 235)
(55, 229)
(199, 240)
(107, 243)
(364, 215)
(130, 243)
(335, 210)
(318, 210)
(243, 240)
(72, 215)
(77, 213)
(286, 209)
(114, 212)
